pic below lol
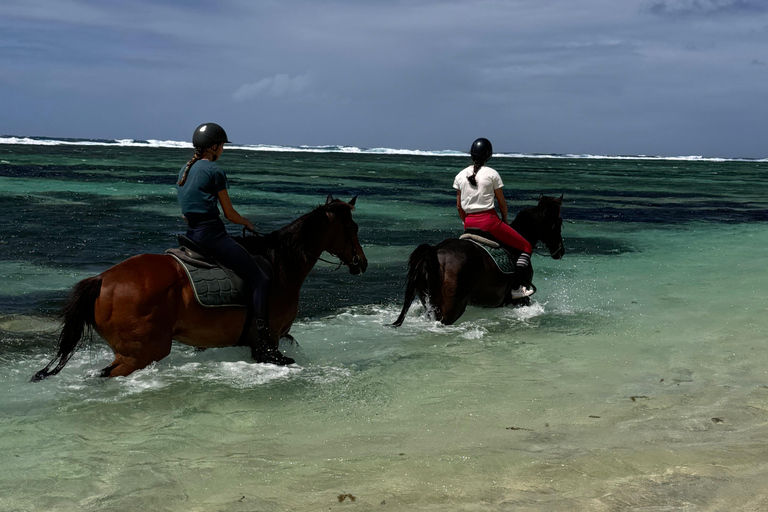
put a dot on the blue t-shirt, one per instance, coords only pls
(200, 193)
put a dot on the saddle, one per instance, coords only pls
(503, 257)
(214, 285)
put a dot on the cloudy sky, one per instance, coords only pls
(661, 77)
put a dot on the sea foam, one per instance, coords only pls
(153, 143)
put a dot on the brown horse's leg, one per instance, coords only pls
(124, 365)
(106, 372)
(136, 311)
(120, 367)
(137, 342)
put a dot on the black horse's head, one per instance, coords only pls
(341, 237)
(543, 222)
(551, 225)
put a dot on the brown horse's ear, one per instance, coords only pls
(329, 199)
(561, 197)
(352, 201)
(540, 196)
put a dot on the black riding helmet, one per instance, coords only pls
(481, 150)
(208, 134)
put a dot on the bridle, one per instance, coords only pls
(549, 254)
(355, 259)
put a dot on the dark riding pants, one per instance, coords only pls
(212, 236)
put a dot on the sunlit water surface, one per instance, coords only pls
(636, 380)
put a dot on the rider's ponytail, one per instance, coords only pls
(199, 152)
(472, 180)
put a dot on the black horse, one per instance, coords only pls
(456, 272)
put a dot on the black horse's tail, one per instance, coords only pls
(419, 266)
(77, 314)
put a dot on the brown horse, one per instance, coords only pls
(455, 273)
(142, 304)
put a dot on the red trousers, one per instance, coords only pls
(489, 221)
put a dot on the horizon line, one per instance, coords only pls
(153, 143)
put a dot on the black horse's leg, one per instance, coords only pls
(457, 308)
(454, 295)
(521, 302)
(518, 303)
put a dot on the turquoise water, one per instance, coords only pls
(636, 380)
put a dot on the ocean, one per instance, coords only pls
(637, 379)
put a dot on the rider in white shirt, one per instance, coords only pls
(478, 188)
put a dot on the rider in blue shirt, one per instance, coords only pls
(201, 188)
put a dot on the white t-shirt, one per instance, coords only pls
(480, 198)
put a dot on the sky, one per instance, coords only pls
(610, 77)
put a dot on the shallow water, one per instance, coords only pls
(636, 380)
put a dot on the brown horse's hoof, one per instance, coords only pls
(273, 356)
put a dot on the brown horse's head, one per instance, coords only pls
(341, 235)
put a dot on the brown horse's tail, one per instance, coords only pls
(77, 314)
(420, 267)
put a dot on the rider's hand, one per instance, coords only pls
(249, 225)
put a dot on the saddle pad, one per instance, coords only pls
(499, 255)
(212, 286)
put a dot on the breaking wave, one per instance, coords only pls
(152, 143)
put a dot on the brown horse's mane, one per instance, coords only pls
(290, 241)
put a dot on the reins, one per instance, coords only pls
(355, 261)
(332, 263)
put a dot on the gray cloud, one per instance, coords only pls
(704, 7)
(595, 76)
(279, 85)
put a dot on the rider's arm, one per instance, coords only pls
(499, 193)
(231, 214)
(462, 213)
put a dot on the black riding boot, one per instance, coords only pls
(262, 350)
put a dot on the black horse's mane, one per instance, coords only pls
(528, 219)
(546, 204)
